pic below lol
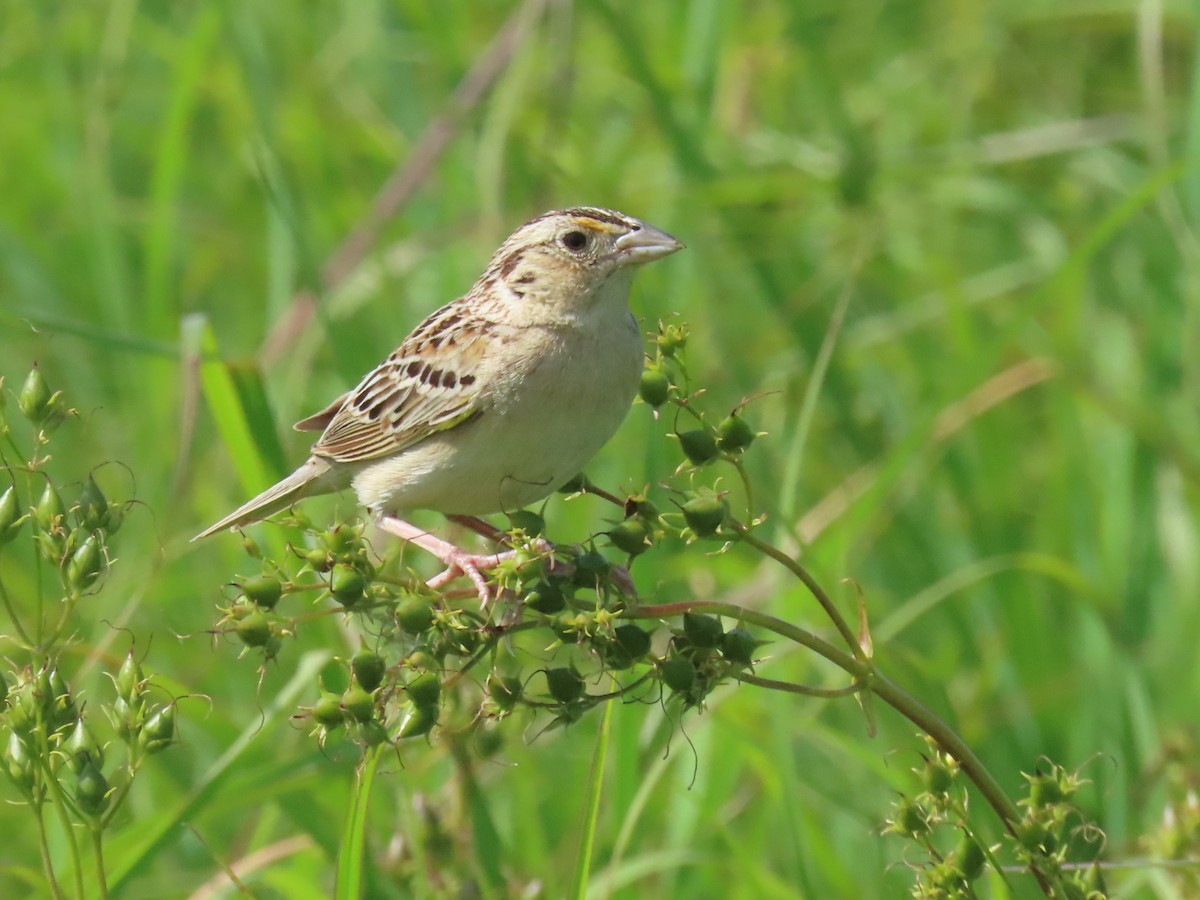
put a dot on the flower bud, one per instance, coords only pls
(672, 339)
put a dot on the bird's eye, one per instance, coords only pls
(574, 241)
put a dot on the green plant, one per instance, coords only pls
(54, 558)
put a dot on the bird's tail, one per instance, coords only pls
(310, 478)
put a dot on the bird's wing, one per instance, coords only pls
(429, 384)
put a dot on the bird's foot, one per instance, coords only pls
(457, 561)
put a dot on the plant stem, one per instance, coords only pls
(868, 678)
(793, 566)
(44, 846)
(12, 615)
(98, 850)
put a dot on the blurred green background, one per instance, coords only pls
(985, 212)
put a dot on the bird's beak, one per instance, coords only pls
(645, 244)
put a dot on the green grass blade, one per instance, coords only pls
(352, 853)
(591, 809)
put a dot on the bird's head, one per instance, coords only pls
(570, 258)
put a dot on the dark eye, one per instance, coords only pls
(574, 241)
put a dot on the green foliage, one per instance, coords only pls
(949, 247)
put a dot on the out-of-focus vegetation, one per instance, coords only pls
(951, 247)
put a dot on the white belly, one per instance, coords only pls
(545, 416)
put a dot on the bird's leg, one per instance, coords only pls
(487, 530)
(456, 560)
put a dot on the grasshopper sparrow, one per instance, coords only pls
(496, 399)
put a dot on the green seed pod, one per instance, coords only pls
(91, 790)
(633, 639)
(419, 660)
(34, 397)
(86, 563)
(505, 691)
(82, 749)
(372, 733)
(615, 656)
(23, 707)
(425, 689)
(341, 540)
(702, 630)
(545, 597)
(528, 521)
(122, 716)
(418, 720)
(704, 514)
(910, 820)
(564, 683)
(699, 446)
(969, 857)
(488, 742)
(630, 536)
(937, 776)
(130, 679)
(254, 629)
(1045, 790)
(263, 590)
(358, 704)
(1033, 836)
(49, 511)
(415, 616)
(114, 517)
(327, 711)
(734, 435)
(369, 669)
(672, 339)
(590, 568)
(10, 515)
(738, 646)
(91, 512)
(19, 762)
(319, 559)
(678, 674)
(655, 387)
(159, 731)
(60, 708)
(347, 584)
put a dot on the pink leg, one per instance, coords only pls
(457, 561)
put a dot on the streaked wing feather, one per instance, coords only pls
(320, 421)
(428, 385)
